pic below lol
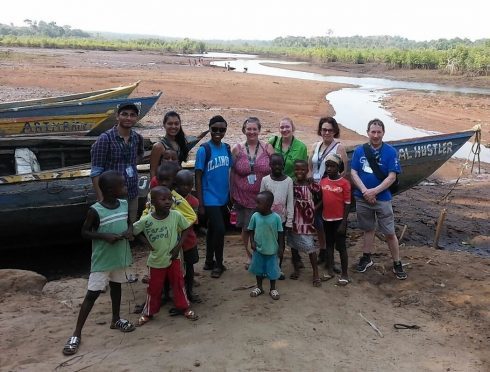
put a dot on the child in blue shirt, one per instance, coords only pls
(266, 236)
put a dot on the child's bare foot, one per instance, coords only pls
(317, 282)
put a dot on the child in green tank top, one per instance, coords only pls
(108, 227)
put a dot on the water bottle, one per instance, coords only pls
(233, 216)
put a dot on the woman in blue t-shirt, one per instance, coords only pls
(213, 164)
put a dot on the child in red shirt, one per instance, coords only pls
(184, 182)
(336, 197)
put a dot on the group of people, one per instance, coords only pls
(279, 194)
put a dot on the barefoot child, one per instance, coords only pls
(266, 236)
(281, 187)
(108, 227)
(300, 238)
(165, 230)
(184, 182)
(336, 199)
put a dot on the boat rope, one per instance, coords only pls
(475, 150)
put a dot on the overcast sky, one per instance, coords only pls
(262, 19)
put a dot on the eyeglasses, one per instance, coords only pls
(218, 130)
(327, 130)
(125, 114)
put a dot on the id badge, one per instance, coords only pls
(317, 177)
(130, 172)
(251, 179)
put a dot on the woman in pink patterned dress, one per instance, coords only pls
(250, 165)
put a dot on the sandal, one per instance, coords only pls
(143, 320)
(326, 277)
(72, 345)
(191, 315)
(317, 282)
(274, 294)
(256, 292)
(343, 281)
(294, 276)
(123, 325)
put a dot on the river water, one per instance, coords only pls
(355, 106)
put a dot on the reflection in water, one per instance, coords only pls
(354, 107)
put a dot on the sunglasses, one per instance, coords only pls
(327, 130)
(218, 130)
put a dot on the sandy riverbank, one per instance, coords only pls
(310, 329)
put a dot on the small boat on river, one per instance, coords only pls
(74, 117)
(51, 204)
(110, 93)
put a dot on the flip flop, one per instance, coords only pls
(123, 325)
(72, 345)
(343, 281)
(326, 277)
(143, 320)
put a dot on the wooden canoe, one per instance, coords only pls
(111, 93)
(90, 118)
(52, 204)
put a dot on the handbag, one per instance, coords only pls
(377, 171)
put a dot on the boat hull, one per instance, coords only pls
(91, 118)
(111, 93)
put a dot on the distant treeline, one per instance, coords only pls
(454, 56)
(41, 28)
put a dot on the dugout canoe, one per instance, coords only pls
(110, 93)
(89, 118)
(38, 207)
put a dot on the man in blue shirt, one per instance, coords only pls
(120, 148)
(373, 197)
(212, 169)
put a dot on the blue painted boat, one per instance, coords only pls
(90, 118)
(35, 205)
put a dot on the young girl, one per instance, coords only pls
(336, 199)
(266, 236)
(281, 186)
(300, 238)
(165, 230)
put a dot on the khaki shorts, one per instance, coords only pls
(99, 280)
(382, 211)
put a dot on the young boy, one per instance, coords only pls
(165, 230)
(281, 187)
(108, 228)
(266, 236)
(184, 182)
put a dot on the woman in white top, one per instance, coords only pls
(329, 130)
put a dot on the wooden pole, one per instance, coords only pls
(440, 222)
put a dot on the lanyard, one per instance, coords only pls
(251, 160)
(324, 154)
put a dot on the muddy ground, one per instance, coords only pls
(311, 329)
